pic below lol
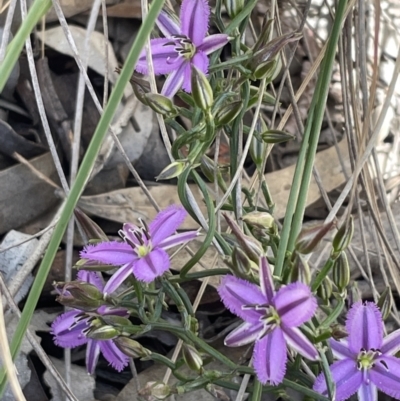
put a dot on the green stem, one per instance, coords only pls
(257, 391)
(322, 274)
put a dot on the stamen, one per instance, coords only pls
(139, 237)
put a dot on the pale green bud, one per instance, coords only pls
(341, 272)
(208, 167)
(173, 170)
(158, 390)
(385, 303)
(102, 333)
(276, 136)
(260, 219)
(201, 90)
(80, 295)
(250, 245)
(227, 113)
(325, 290)
(344, 235)
(161, 104)
(191, 357)
(311, 236)
(301, 270)
(233, 7)
(131, 347)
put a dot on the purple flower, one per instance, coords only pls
(366, 362)
(69, 331)
(143, 252)
(183, 46)
(270, 319)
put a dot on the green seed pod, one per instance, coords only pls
(201, 90)
(311, 236)
(161, 104)
(191, 357)
(131, 347)
(227, 113)
(341, 272)
(325, 290)
(233, 7)
(172, 170)
(385, 303)
(344, 235)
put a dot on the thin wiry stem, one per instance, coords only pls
(41, 109)
(7, 359)
(36, 345)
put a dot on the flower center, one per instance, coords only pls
(184, 46)
(271, 316)
(139, 239)
(367, 359)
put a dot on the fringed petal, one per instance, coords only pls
(295, 304)
(245, 334)
(236, 294)
(270, 358)
(117, 359)
(365, 327)
(194, 19)
(67, 333)
(151, 266)
(114, 253)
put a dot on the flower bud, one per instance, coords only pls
(339, 331)
(353, 295)
(385, 303)
(233, 7)
(79, 295)
(172, 170)
(269, 52)
(325, 290)
(344, 235)
(158, 390)
(131, 347)
(201, 90)
(250, 245)
(276, 136)
(257, 151)
(102, 333)
(227, 113)
(115, 320)
(161, 104)
(260, 220)
(241, 264)
(301, 270)
(341, 272)
(191, 357)
(311, 236)
(88, 226)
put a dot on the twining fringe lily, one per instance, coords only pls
(143, 251)
(69, 331)
(184, 45)
(366, 362)
(271, 320)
